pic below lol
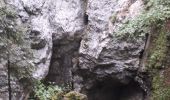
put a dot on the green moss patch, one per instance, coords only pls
(75, 96)
(158, 52)
(158, 66)
(161, 91)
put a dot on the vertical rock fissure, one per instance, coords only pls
(9, 78)
(85, 13)
(144, 53)
(86, 19)
(9, 70)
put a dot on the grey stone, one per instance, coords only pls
(75, 41)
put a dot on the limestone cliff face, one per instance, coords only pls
(74, 41)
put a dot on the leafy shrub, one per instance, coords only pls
(51, 92)
(54, 92)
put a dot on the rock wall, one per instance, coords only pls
(74, 41)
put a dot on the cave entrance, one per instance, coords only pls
(108, 90)
(62, 64)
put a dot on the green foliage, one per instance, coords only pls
(157, 11)
(158, 53)
(54, 92)
(160, 90)
(51, 92)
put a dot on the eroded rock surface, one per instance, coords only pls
(102, 55)
(74, 41)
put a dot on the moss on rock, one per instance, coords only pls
(158, 52)
(160, 90)
(75, 96)
(156, 12)
(158, 66)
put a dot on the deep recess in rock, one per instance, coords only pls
(111, 90)
(63, 61)
(86, 19)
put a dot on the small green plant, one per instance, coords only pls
(50, 92)
(54, 92)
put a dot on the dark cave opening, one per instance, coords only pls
(62, 62)
(108, 90)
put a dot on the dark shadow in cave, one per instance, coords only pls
(108, 90)
(61, 67)
(86, 19)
